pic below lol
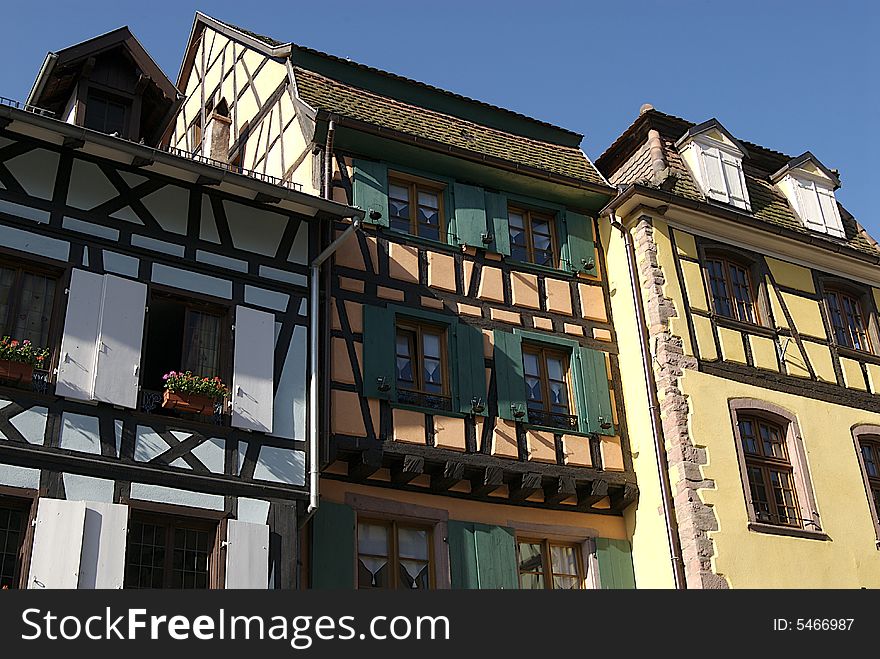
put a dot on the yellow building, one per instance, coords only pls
(760, 296)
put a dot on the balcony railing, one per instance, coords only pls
(565, 422)
(429, 401)
(235, 169)
(18, 105)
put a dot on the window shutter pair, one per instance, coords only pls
(481, 218)
(713, 179)
(380, 360)
(103, 338)
(247, 555)
(589, 379)
(615, 564)
(93, 536)
(482, 556)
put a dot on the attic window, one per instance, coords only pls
(715, 157)
(816, 206)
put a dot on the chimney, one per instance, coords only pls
(658, 161)
(217, 133)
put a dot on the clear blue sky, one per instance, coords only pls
(792, 76)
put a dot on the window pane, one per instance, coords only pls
(718, 287)
(145, 555)
(759, 494)
(841, 335)
(12, 525)
(34, 310)
(404, 357)
(531, 364)
(772, 441)
(431, 345)
(433, 373)
(563, 560)
(747, 434)
(531, 565)
(413, 543)
(868, 457)
(373, 539)
(7, 278)
(398, 193)
(202, 343)
(414, 574)
(373, 545)
(429, 199)
(565, 583)
(190, 560)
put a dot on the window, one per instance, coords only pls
(773, 464)
(416, 207)
(422, 370)
(13, 528)
(195, 134)
(168, 552)
(548, 395)
(393, 555)
(869, 445)
(770, 474)
(731, 290)
(107, 114)
(816, 206)
(184, 335)
(26, 301)
(545, 564)
(847, 321)
(532, 237)
(722, 177)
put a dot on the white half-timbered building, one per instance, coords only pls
(127, 261)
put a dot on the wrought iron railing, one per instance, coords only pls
(429, 401)
(18, 105)
(567, 422)
(236, 169)
(765, 516)
(151, 403)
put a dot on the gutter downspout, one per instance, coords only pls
(654, 405)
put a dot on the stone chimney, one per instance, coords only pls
(217, 137)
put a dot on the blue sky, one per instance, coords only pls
(792, 76)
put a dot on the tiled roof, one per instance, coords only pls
(627, 161)
(360, 104)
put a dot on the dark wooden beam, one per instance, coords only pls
(622, 497)
(596, 491)
(525, 486)
(559, 490)
(364, 464)
(451, 474)
(207, 180)
(412, 466)
(263, 198)
(487, 481)
(4, 122)
(140, 161)
(74, 142)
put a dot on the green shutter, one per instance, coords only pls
(579, 240)
(333, 546)
(471, 367)
(379, 359)
(470, 214)
(370, 188)
(615, 564)
(509, 380)
(482, 556)
(592, 392)
(496, 221)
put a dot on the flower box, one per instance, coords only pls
(192, 403)
(17, 371)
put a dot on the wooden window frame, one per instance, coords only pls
(811, 526)
(56, 323)
(417, 359)
(727, 264)
(393, 524)
(542, 352)
(414, 184)
(841, 291)
(547, 564)
(172, 517)
(25, 500)
(194, 303)
(550, 217)
(869, 434)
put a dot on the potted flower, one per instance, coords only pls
(19, 358)
(192, 393)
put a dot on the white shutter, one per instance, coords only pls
(76, 368)
(715, 186)
(830, 212)
(252, 379)
(247, 555)
(102, 562)
(808, 205)
(57, 544)
(119, 342)
(736, 185)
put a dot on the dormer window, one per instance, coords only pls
(809, 187)
(714, 158)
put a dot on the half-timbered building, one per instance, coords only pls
(122, 262)
(759, 294)
(471, 427)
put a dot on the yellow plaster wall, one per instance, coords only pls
(693, 283)
(820, 360)
(764, 352)
(805, 314)
(732, 349)
(646, 530)
(791, 275)
(750, 559)
(705, 338)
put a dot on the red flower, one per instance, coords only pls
(14, 343)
